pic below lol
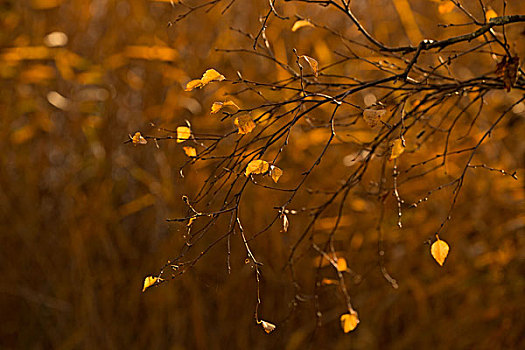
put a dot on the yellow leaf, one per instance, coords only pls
(208, 76)
(397, 149)
(313, 64)
(276, 173)
(183, 133)
(341, 264)
(193, 84)
(446, 7)
(349, 322)
(217, 106)
(439, 250)
(300, 24)
(490, 14)
(257, 167)
(211, 75)
(373, 116)
(190, 151)
(137, 139)
(328, 282)
(150, 281)
(245, 124)
(268, 327)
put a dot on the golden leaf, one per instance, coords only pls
(373, 116)
(183, 133)
(244, 123)
(349, 322)
(439, 251)
(193, 84)
(257, 167)
(150, 281)
(313, 64)
(217, 106)
(137, 139)
(276, 173)
(268, 327)
(328, 282)
(341, 264)
(211, 75)
(300, 24)
(397, 149)
(446, 7)
(190, 151)
(490, 14)
(208, 76)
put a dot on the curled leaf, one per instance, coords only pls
(183, 133)
(439, 250)
(197, 83)
(341, 264)
(300, 24)
(313, 64)
(267, 326)
(244, 123)
(150, 281)
(137, 139)
(373, 116)
(397, 149)
(275, 173)
(257, 167)
(208, 76)
(217, 106)
(349, 322)
(190, 151)
(508, 70)
(211, 75)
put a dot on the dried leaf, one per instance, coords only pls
(349, 322)
(268, 327)
(439, 251)
(211, 75)
(313, 64)
(508, 70)
(341, 264)
(257, 167)
(245, 124)
(190, 151)
(150, 281)
(217, 106)
(286, 223)
(138, 139)
(183, 133)
(373, 116)
(275, 173)
(397, 149)
(300, 24)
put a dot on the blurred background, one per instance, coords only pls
(84, 214)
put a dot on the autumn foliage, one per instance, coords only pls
(262, 175)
